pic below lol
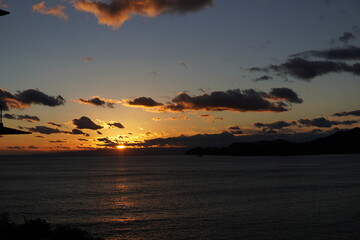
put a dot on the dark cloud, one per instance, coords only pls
(346, 37)
(15, 147)
(54, 124)
(48, 130)
(33, 96)
(351, 113)
(9, 116)
(57, 141)
(210, 118)
(32, 147)
(263, 78)
(97, 101)
(306, 70)
(23, 99)
(236, 100)
(274, 125)
(21, 117)
(44, 130)
(285, 94)
(87, 148)
(344, 53)
(324, 123)
(83, 139)
(235, 130)
(106, 142)
(144, 101)
(86, 123)
(116, 12)
(60, 147)
(28, 118)
(116, 124)
(77, 132)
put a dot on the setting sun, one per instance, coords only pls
(120, 147)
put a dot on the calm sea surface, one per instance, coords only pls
(185, 197)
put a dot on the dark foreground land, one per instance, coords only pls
(36, 229)
(344, 142)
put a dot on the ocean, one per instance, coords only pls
(188, 197)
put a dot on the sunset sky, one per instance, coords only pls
(83, 74)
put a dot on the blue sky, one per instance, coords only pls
(160, 56)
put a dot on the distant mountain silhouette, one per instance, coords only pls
(343, 142)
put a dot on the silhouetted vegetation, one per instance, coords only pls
(39, 229)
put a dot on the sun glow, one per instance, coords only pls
(120, 147)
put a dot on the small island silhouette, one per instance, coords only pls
(343, 142)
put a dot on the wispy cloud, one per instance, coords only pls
(210, 118)
(2, 4)
(183, 64)
(54, 124)
(49, 130)
(57, 11)
(274, 125)
(307, 69)
(347, 36)
(324, 122)
(299, 67)
(98, 101)
(22, 117)
(44, 130)
(355, 113)
(342, 53)
(86, 59)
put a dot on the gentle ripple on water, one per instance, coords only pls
(184, 197)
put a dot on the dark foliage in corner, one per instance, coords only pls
(36, 229)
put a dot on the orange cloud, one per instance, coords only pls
(115, 13)
(57, 11)
(156, 119)
(86, 59)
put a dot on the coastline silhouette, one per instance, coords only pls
(344, 142)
